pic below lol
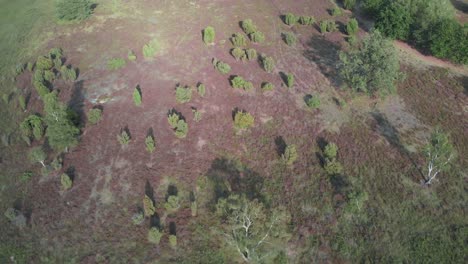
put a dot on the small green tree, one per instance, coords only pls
(289, 38)
(68, 73)
(248, 26)
(268, 63)
(336, 11)
(290, 154)
(352, 27)
(323, 26)
(439, 153)
(173, 119)
(238, 53)
(150, 144)
(123, 138)
(173, 241)
(197, 115)
(172, 203)
(332, 166)
(221, 66)
(243, 120)
(312, 102)
(66, 181)
(290, 19)
(37, 154)
(257, 37)
(154, 235)
(267, 86)
(22, 102)
(183, 94)
(289, 80)
(94, 115)
(182, 129)
(330, 151)
(306, 20)
(239, 83)
(238, 40)
(201, 89)
(332, 26)
(251, 54)
(137, 95)
(32, 126)
(208, 35)
(44, 63)
(148, 206)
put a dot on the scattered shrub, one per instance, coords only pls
(66, 181)
(333, 167)
(150, 49)
(137, 95)
(312, 102)
(68, 73)
(148, 206)
(290, 19)
(94, 116)
(290, 154)
(238, 53)
(349, 4)
(116, 63)
(289, 80)
(172, 203)
(138, 218)
(131, 55)
(74, 10)
(336, 11)
(448, 39)
(201, 89)
(150, 144)
(251, 54)
(289, 38)
(238, 40)
(266, 86)
(154, 235)
(330, 151)
(243, 120)
(197, 115)
(222, 67)
(183, 94)
(257, 37)
(173, 241)
(268, 63)
(306, 20)
(208, 35)
(248, 26)
(239, 83)
(41, 88)
(123, 138)
(352, 27)
(44, 63)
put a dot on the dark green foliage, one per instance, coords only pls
(352, 27)
(238, 53)
(440, 155)
(41, 88)
(251, 54)
(44, 63)
(137, 97)
(289, 81)
(349, 4)
(183, 94)
(268, 63)
(290, 19)
(61, 131)
(289, 38)
(94, 116)
(238, 40)
(248, 26)
(374, 67)
(208, 35)
(257, 37)
(74, 10)
(116, 63)
(68, 73)
(55, 53)
(306, 20)
(394, 20)
(332, 166)
(448, 39)
(239, 83)
(32, 126)
(25, 176)
(123, 138)
(221, 66)
(372, 6)
(266, 86)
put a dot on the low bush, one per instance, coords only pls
(131, 55)
(66, 181)
(173, 241)
(148, 206)
(25, 176)
(323, 26)
(290, 19)
(68, 73)
(266, 86)
(306, 20)
(123, 138)
(333, 167)
(251, 54)
(44, 63)
(330, 151)
(94, 116)
(116, 63)
(243, 120)
(137, 98)
(290, 154)
(201, 89)
(74, 10)
(336, 11)
(268, 63)
(208, 35)
(289, 38)
(154, 235)
(238, 40)
(183, 94)
(221, 66)
(150, 49)
(55, 53)
(332, 26)
(238, 53)
(197, 115)
(349, 4)
(179, 125)
(248, 26)
(150, 144)
(173, 119)
(289, 80)
(257, 37)
(172, 203)
(312, 102)
(352, 27)
(49, 76)
(239, 83)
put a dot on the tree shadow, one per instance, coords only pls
(321, 143)
(71, 172)
(284, 77)
(171, 191)
(155, 221)
(460, 5)
(391, 134)
(150, 132)
(172, 229)
(325, 54)
(76, 102)
(149, 191)
(464, 82)
(280, 145)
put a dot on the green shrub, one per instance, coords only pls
(183, 94)
(154, 235)
(336, 11)
(248, 26)
(208, 35)
(289, 80)
(131, 55)
(55, 53)
(73, 10)
(222, 67)
(137, 97)
(312, 102)
(116, 63)
(32, 126)
(289, 38)
(25, 176)
(257, 37)
(138, 218)
(290, 19)
(150, 49)
(197, 115)
(239, 83)
(148, 206)
(268, 63)
(68, 73)
(123, 138)
(44, 63)
(243, 120)
(251, 54)
(201, 89)
(238, 40)
(30, 66)
(306, 20)
(173, 241)
(266, 86)
(333, 167)
(57, 163)
(330, 151)
(182, 129)
(41, 88)
(37, 154)
(238, 53)
(173, 119)
(332, 26)
(349, 4)
(172, 203)
(394, 20)
(66, 181)
(323, 26)
(94, 116)
(290, 154)
(352, 41)
(49, 76)
(150, 144)
(448, 39)
(352, 27)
